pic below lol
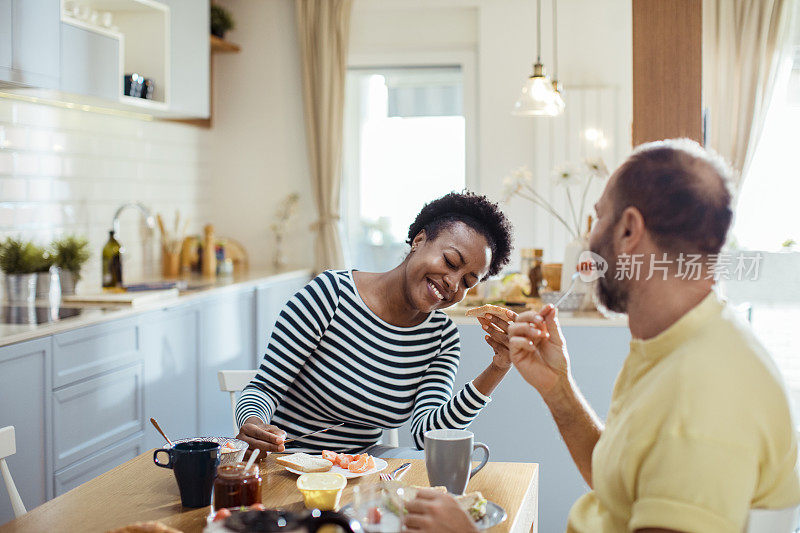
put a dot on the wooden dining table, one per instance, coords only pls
(139, 491)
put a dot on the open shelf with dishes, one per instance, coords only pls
(133, 35)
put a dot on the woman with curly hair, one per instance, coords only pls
(371, 350)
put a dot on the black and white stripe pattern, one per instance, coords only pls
(330, 359)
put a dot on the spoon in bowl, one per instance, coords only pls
(158, 428)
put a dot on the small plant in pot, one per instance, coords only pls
(221, 21)
(19, 260)
(70, 254)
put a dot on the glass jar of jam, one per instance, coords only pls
(235, 488)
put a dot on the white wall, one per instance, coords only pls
(257, 146)
(65, 171)
(594, 50)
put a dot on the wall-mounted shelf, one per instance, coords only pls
(221, 46)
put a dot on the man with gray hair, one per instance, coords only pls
(699, 431)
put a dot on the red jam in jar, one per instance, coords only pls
(235, 488)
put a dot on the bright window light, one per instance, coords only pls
(404, 145)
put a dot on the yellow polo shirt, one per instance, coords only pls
(699, 431)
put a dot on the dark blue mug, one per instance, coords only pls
(195, 465)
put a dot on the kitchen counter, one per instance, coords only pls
(13, 333)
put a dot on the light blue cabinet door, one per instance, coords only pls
(25, 404)
(5, 36)
(189, 57)
(226, 343)
(270, 299)
(100, 463)
(86, 352)
(170, 350)
(91, 415)
(35, 42)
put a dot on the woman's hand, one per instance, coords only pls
(497, 337)
(262, 436)
(434, 512)
(538, 350)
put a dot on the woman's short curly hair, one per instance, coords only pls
(474, 210)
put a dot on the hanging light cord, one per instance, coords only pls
(538, 31)
(555, 39)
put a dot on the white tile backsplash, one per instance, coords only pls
(66, 171)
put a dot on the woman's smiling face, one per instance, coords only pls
(440, 271)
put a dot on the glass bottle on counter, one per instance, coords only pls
(112, 263)
(531, 267)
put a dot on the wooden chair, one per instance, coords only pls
(773, 520)
(233, 381)
(8, 447)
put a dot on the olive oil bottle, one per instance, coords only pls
(112, 263)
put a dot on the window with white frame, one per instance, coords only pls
(766, 215)
(404, 145)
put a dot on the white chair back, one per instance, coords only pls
(233, 381)
(8, 447)
(773, 520)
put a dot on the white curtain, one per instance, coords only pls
(741, 44)
(323, 30)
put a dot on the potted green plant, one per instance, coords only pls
(47, 274)
(71, 253)
(221, 21)
(19, 260)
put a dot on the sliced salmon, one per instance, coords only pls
(362, 463)
(329, 455)
(343, 460)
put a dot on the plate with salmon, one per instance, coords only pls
(350, 466)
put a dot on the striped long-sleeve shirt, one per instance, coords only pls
(330, 359)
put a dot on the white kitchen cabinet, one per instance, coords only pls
(189, 58)
(5, 37)
(227, 342)
(33, 46)
(89, 63)
(170, 349)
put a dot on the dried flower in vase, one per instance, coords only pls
(283, 216)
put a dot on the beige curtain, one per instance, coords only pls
(741, 45)
(323, 29)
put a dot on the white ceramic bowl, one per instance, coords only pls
(240, 447)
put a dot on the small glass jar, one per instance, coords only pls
(236, 488)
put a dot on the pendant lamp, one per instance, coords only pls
(540, 96)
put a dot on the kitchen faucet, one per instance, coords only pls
(150, 222)
(148, 215)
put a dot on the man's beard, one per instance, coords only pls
(610, 295)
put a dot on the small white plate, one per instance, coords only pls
(380, 465)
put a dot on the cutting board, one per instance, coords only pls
(133, 299)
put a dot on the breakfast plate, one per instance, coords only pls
(380, 465)
(389, 523)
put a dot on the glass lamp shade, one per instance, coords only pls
(539, 97)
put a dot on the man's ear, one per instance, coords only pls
(629, 230)
(419, 239)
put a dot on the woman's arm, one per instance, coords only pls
(296, 334)
(435, 406)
